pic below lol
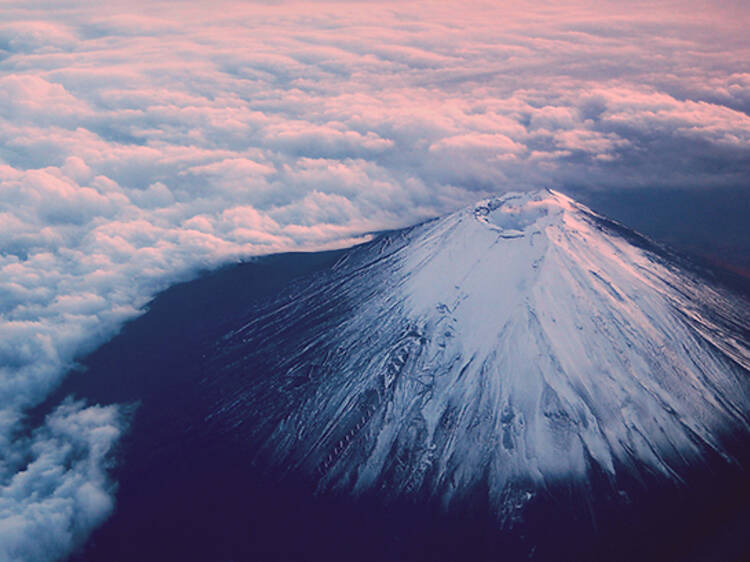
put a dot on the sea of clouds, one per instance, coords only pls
(141, 142)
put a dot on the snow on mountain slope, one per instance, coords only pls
(506, 347)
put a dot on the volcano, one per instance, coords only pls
(523, 378)
(508, 347)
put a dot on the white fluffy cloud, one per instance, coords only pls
(59, 489)
(136, 149)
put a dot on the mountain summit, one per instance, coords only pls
(506, 348)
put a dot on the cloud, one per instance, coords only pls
(59, 490)
(25, 97)
(135, 151)
(36, 36)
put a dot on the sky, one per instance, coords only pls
(141, 142)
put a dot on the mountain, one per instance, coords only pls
(516, 347)
(522, 379)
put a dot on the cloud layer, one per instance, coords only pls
(143, 141)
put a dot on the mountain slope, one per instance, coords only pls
(506, 348)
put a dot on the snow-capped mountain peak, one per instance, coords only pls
(511, 345)
(517, 214)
